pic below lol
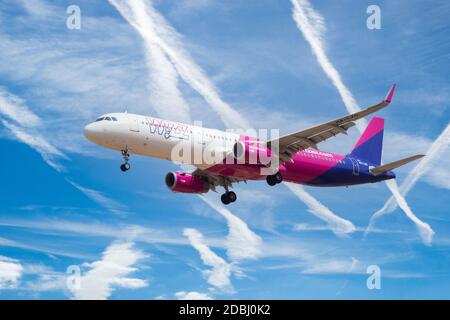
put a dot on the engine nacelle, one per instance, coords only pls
(184, 182)
(251, 153)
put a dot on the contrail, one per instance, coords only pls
(239, 234)
(337, 224)
(219, 275)
(24, 128)
(165, 96)
(168, 40)
(434, 152)
(425, 231)
(14, 108)
(312, 26)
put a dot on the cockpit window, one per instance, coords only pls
(107, 119)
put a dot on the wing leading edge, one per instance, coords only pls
(309, 138)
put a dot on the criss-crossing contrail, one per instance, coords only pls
(438, 147)
(168, 40)
(425, 231)
(312, 26)
(165, 95)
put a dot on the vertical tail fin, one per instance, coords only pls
(370, 144)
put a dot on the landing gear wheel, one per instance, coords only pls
(274, 179)
(228, 197)
(278, 177)
(224, 199)
(125, 167)
(232, 196)
(271, 180)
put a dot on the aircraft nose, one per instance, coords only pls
(90, 131)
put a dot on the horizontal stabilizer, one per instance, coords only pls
(390, 166)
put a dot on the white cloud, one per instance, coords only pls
(10, 272)
(36, 141)
(219, 275)
(242, 243)
(332, 266)
(112, 205)
(116, 263)
(91, 229)
(337, 224)
(38, 248)
(14, 108)
(38, 8)
(47, 279)
(106, 66)
(192, 295)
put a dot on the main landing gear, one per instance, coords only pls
(274, 179)
(228, 197)
(126, 156)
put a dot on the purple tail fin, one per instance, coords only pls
(370, 144)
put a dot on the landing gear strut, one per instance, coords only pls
(274, 179)
(126, 156)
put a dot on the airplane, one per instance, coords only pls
(298, 157)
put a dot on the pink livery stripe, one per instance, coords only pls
(375, 126)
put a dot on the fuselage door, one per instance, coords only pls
(134, 124)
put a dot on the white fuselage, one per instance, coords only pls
(158, 138)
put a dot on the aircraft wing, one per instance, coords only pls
(215, 180)
(309, 138)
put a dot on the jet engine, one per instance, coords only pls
(184, 182)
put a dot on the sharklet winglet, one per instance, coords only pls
(390, 94)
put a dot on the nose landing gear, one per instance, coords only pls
(126, 156)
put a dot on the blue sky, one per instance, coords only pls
(66, 203)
